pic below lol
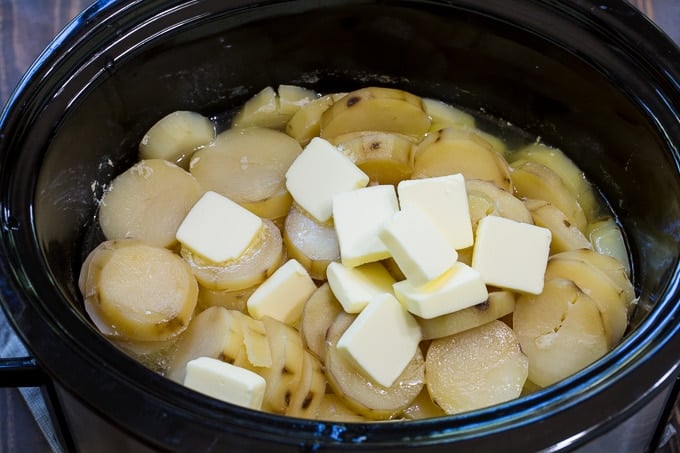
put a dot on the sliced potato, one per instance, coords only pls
(258, 262)
(334, 409)
(148, 202)
(476, 368)
(376, 109)
(232, 300)
(607, 239)
(255, 340)
(248, 166)
(312, 243)
(360, 393)
(536, 181)
(270, 109)
(571, 175)
(305, 124)
(423, 407)
(486, 198)
(450, 151)
(306, 399)
(444, 115)
(137, 292)
(560, 330)
(292, 98)
(385, 157)
(214, 333)
(285, 373)
(176, 136)
(565, 236)
(499, 304)
(318, 314)
(605, 293)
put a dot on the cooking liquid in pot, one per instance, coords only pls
(580, 315)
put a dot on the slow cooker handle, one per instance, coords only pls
(25, 372)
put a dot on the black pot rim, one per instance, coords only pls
(646, 361)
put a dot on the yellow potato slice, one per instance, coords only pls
(571, 175)
(270, 109)
(450, 151)
(176, 136)
(476, 368)
(318, 314)
(486, 198)
(560, 330)
(605, 293)
(536, 181)
(334, 409)
(607, 239)
(444, 115)
(258, 262)
(148, 202)
(499, 304)
(307, 398)
(565, 235)
(232, 300)
(305, 124)
(376, 109)
(248, 166)
(423, 407)
(137, 292)
(369, 398)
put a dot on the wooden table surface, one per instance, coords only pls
(26, 27)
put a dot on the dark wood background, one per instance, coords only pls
(26, 27)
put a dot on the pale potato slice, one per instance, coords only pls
(607, 239)
(270, 109)
(444, 115)
(232, 300)
(610, 266)
(423, 407)
(376, 109)
(385, 157)
(499, 304)
(285, 372)
(334, 409)
(450, 151)
(368, 398)
(248, 166)
(536, 181)
(215, 333)
(560, 330)
(305, 124)
(306, 399)
(565, 236)
(486, 198)
(176, 136)
(571, 175)
(255, 340)
(476, 368)
(133, 291)
(148, 202)
(258, 262)
(605, 293)
(318, 314)
(312, 243)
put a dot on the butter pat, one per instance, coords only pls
(458, 288)
(382, 340)
(418, 246)
(225, 382)
(318, 174)
(359, 216)
(511, 254)
(283, 295)
(218, 229)
(443, 198)
(355, 287)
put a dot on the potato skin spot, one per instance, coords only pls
(353, 101)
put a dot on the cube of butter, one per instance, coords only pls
(511, 254)
(458, 288)
(283, 295)
(359, 216)
(382, 340)
(354, 287)
(318, 174)
(444, 198)
(418, 246)
(218, 229)
(225, 382)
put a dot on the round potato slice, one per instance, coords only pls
(148, 202)
(138, 292)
